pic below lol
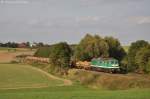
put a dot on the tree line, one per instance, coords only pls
(137, 59)
(22, 45)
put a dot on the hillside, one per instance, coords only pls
(13, 76)
(101, 80)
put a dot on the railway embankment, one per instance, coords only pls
(101, 80)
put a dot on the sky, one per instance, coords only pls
(52, 21)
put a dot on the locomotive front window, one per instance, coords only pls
(99, 62)
(116, 62)
(112, 62)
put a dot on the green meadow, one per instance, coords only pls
(73, 92)
(22, 82)
(15, 76)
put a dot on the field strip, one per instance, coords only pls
(24, 87)
(66, 82)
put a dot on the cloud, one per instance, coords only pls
(14, 2)
(103, 2)
(87, 18)
(140, 19)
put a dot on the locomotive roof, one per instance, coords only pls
(104, 59)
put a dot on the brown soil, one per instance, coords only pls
(6, 56)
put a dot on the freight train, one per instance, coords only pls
(100, 64)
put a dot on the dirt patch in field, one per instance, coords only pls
(6, 56)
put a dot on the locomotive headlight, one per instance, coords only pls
(115, 65)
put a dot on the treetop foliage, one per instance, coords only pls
(95, 46)
(90, 47)
(60, 55)
(115, 48)
(138, 56)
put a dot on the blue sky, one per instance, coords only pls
(52, 21)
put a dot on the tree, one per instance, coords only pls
(28, 44)
(142, 59)
(148, 65)
(60, 55)
(115, 48)
(40, 44)
(91, 47)
(134, 48)
(124, 65)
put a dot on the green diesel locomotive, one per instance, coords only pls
(105, 64)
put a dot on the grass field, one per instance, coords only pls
(18, 82)
(26, 82)
(15, 49)
(73, 92)
(13, 76)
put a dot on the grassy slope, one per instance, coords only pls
(100, 80)
(16, 76)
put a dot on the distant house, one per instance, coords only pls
(22, 45)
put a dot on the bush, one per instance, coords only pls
(60, 56)
(14, 62)
(43, 52)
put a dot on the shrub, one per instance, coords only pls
(60, 56)
(43, 52)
